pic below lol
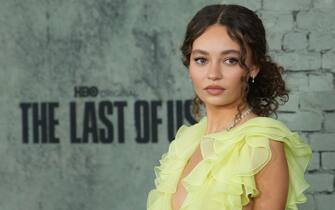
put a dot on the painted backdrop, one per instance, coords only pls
(92, 92)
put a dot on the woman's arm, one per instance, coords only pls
(272, 181)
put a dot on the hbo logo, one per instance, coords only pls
(84, 91)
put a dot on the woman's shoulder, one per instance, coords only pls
(267, 122)
(257, 125)
(270, 128)
(192, 130)
(261, 126)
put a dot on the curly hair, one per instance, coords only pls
(244, 27)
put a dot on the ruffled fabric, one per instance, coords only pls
(225, 178)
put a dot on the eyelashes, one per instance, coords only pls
(229, 61)
(200, 60)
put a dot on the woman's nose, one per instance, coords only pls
(214, 71)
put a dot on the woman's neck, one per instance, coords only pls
(218, 118)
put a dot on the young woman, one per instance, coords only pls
(236, 157)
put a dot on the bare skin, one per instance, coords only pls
(271, 181)
(179, 196)
(214, 61)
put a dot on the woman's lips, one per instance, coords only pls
(215, 91)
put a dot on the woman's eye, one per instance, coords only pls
(231, 61)
(200, 61)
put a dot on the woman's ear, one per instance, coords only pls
(254, 71)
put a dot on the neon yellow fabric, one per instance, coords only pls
(225, 177)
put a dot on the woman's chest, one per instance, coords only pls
(179, 196)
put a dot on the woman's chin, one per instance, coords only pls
(219, 102)
(215, 103)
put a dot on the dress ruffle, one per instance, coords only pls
(224, 179)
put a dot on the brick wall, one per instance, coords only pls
(301, 36)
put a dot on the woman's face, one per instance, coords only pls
(214, 60)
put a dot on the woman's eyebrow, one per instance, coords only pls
(224, 52)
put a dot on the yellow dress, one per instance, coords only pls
(224, 178)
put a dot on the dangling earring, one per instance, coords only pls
(253, 80)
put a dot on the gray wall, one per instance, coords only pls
(129, 51)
